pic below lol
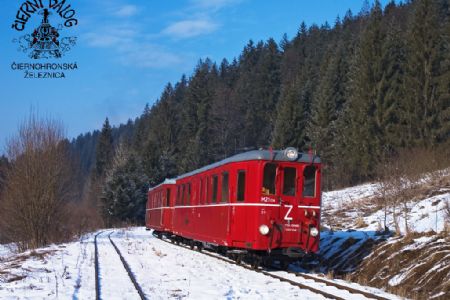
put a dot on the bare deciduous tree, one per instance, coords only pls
(38, 186)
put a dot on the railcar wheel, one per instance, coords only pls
(199, 247)
(255, 263)
(284, 264)
(239, 259)
(191, 245)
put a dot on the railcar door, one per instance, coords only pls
(288, 195)
(239, 211)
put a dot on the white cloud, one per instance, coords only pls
(213, 4)
(110, 36)
(127, 11)
(190, 28)
(132, 47)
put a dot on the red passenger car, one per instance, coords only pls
(261, 203)
(160, 202)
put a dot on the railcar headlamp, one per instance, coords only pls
(264, 229)
(291, 153)
(313, 231)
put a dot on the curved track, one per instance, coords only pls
(281, 277)
(125, 265)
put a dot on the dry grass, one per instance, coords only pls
(360, 223)
(389, 260)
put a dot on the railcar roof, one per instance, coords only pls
(275, 155)
(166, 181)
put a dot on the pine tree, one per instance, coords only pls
(195, 112)
(391, 91)
(422, 106)
(358, 129)
(125, 190)
(290, 126)
(104, 150)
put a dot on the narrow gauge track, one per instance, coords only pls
(125, 265)
(290, 281)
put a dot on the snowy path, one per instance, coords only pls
(163, 270)
(167, 271)
(114, 280)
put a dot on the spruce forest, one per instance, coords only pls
(358, 92)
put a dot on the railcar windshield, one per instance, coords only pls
(309, 181)
(290, 175)
(270, 173)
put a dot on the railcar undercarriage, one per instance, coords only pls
(281, 257)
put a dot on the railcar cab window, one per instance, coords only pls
(289, 180)
(269, 177)
(225, 192)
(240, 186)
(309, 181)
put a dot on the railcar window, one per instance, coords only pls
(208, 189)
(225, 191)
(214, 188)
(309, 181)
(290, 174)
(270, 172)
(183, 195)
(188, 198)
(168, 197)
(240, 186)
(178, 196)
(200, 199)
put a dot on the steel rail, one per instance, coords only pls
(128, 269)
(292, 282)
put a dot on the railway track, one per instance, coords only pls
(284, 276)
(98, 294)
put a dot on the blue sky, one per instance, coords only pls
(128, 50)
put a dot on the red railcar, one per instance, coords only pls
(262, 202)
(160, 202)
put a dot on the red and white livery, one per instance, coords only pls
(262, 203)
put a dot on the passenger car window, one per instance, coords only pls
(270, 172)
(167, 197)
(215, 182)
(290, 174)
(240, 185)
(189, 193)
(200, 198)
(309, 181)
(225, 191)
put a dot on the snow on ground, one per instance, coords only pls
(169, 271)
(56, 272)
(338, 198)
(342, 208)
(353, 242)
(164, 271)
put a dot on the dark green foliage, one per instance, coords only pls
(375, 83)
(424, 102)
(125, 190)
(104, 150)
